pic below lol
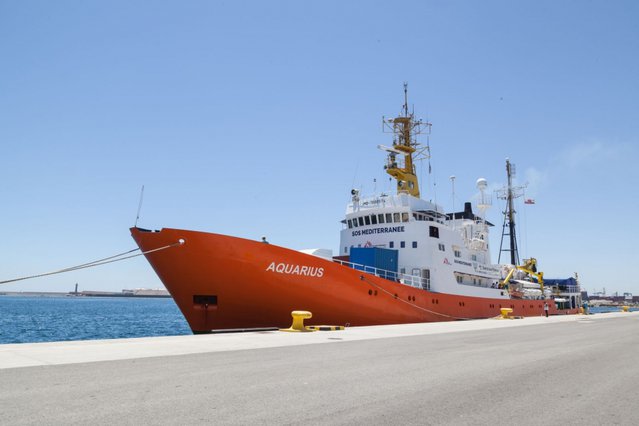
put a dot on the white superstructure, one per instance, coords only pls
(450, 252)
(437, 251)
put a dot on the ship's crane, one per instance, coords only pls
(530, 268)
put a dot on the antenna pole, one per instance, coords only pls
(137, 217)
(405, 99)
(404, 129)
(509, 194)
(452, 180)
(514, 256)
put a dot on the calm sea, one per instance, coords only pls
(604, 309)
(50, 319)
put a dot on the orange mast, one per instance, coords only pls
(405, 128)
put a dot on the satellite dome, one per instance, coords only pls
(482, 184)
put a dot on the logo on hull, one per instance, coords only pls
(290, 269)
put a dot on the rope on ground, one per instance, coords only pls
(99, 262)
(409, 303)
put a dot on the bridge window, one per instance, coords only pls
(389, 218)
(374, 220)
(434, 231)
(419, 216)
(404, 217)
(350, 223)
(396, 217)
(367, 219)
(425, 279)
(380, 218)
(361, 221)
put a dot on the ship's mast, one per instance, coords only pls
(404, 128)
(509, 194)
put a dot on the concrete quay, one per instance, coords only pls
(568, 369)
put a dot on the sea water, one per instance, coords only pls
(50, 319)
(606, 309)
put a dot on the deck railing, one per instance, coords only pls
(398, 277)
(565, 288)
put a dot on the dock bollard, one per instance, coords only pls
(298, 321)
(505, 313)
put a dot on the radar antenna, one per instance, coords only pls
(404, 129)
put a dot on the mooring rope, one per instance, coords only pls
(409, 303)
(99, 262)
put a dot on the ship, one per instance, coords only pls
(402, 259)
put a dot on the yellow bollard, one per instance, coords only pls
(298, 321)
(624, 308)
(505, 313)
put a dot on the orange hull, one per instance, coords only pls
(221, 282)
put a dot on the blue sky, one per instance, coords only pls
(257, 118)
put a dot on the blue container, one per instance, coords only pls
(374, 257)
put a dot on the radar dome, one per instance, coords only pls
(482, 184)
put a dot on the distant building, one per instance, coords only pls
(148, 292)
(138, 292)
